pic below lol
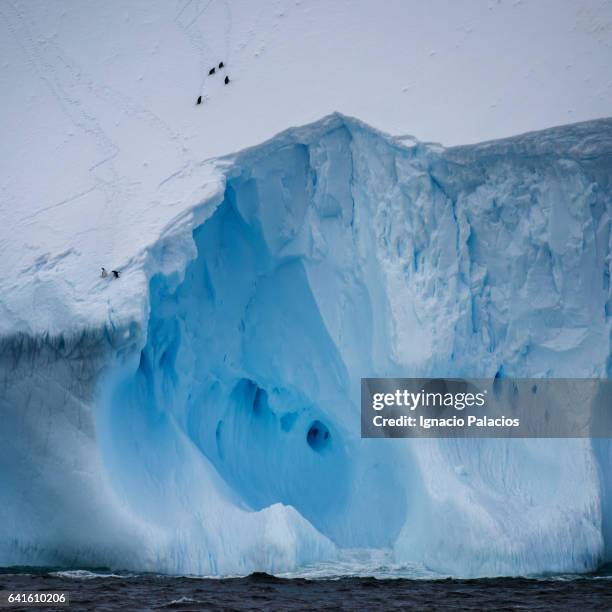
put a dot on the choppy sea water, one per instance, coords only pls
(339, 586)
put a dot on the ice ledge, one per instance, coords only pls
(54, 287)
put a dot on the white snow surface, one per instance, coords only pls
(102, 142)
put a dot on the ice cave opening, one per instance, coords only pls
(240, 364)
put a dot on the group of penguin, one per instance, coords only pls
(115, 273)
(211, 72)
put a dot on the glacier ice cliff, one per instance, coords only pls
(213, 426)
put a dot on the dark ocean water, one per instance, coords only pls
(91, 591)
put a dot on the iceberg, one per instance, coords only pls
(208, 421)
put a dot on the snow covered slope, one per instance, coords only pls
(201, 413)
(102, 142)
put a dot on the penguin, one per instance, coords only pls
(226, 81)
(199, 100)
(211, 71)
(221, 64)
(104, 273)
(115, 273)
